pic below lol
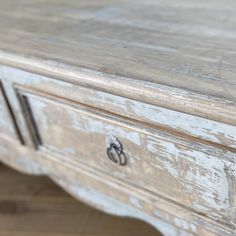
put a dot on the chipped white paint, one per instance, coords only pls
(171, 101)
(202, 175)
(135, 202)
(64, 173)
(196, 126)
(231, 170)
(183, 224)
(198, 171)
(92, 124)
(193, 125)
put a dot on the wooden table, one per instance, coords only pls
(128, 105)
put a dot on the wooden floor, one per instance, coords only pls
(34, 206)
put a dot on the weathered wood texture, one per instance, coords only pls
(177, 44)
(34, 206)
(196, 172)
(84, 134)
(187, 45)
(103, 192)
(158, 75)
(179, 123)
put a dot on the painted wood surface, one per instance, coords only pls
(200, 173)
(180, 123)
(113, 197)
(160, 75)
(196, 176)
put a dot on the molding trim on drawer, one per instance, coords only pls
(195, 173)
(181, 124)
(8, 125)
(211, 107)
(169, 120)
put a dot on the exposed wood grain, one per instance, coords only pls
(116, 31)
(188, 47)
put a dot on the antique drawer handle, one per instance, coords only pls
(115, 153)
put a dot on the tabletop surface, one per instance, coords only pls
(184, 44)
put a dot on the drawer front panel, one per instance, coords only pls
(190, 174)
(7, 127)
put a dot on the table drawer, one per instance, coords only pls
(191, 174)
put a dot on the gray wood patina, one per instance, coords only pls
(158, 75)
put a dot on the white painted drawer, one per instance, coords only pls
(193, 175)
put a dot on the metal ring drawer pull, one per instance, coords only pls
(115, 153)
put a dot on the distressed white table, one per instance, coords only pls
(128, 105)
